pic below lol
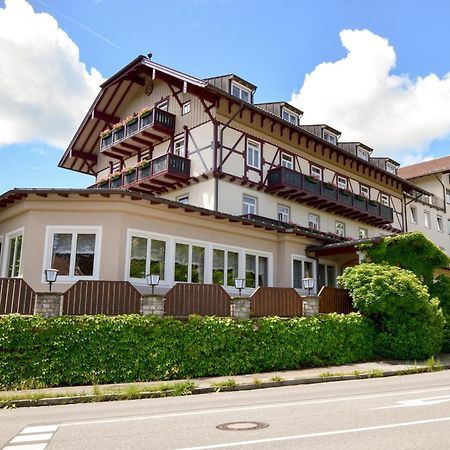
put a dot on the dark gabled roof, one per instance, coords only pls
(15, 195)
(439, 165)
(322, 126)
(233, 77)
(282, 104)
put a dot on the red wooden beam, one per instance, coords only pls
(108, 118)
(84, 156)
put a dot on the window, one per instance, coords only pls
(253, 154)
(256, 271)
(248, 205)
(189, 263)
(340, 229)
(342, 182)
(225, 267)
(413, 214)
(283, 213)
(363, 154)
(326, 276)
(74, 252)
(240, 92)
(163, 105)
(316, 172)
(384, 199)
(147, 255)
(440, 225)
(287, 161)
(14, 253)
(178, 147)
(301, 268)
(331, 138)
(427, 199)
(447, 195)
(363, 233)
(183, 199)
(290, 117)
(186, 108)
(426, 217)
(314, 221)
(365, 191)
(391, 168)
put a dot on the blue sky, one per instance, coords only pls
(273, 44)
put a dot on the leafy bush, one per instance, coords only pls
(98, 349)
(441, 289)
(410, 325)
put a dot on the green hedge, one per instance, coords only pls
(98, 349)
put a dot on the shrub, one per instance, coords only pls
(410, 325)
(441, 289)
(98, 349)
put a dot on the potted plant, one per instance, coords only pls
(118, 131)
(144, 168)
(106, 138)
(129, 175)
(146, 116)
(132, 123)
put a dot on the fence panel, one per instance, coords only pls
(101, 297)
(335, 300)
(271, 301)
(192, 298)
(15, 296)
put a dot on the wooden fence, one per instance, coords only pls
(191, 298)
(101, 297)
(15, 296)
(269, 301)
(335, 300)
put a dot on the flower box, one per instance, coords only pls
(132, 125)
(118, 133)
(146, 118)
(102, 184)
(106, 139)
(129, 176)
(330, 186)
(311, 179)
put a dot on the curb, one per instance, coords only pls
(55, 401)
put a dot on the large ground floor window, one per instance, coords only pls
(326, 275)
(302, 268)
(14, 246)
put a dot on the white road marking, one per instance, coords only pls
(31, 437)
(250, 408)
(40, 429)
(26, 447)
(419, 402)
(314, 435)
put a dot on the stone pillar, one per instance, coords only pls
(152, 305)
(240, 307)
(48, 304)
(311, 305)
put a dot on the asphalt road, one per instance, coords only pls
(407, 412)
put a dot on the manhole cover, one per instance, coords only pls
(242, 426)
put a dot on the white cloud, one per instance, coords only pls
(361, 97)
(45, 89)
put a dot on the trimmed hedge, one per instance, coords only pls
(98, 349)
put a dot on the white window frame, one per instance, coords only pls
(163, 105)
(8, 236)
(287, 161)
(226, 250)
(149, 236)
(241, 89)
(340, 228)
(413, 214)
(304, 259)
(247, 205)
(257, 255)
(283, 213)
(327, 263)
(391, 168)
(186, 108)
(312, 220)
(364, 191)
(190, 245)
(384, 199)
(363, 233)
(342, 182)
(183, 199)
(318, 170)
(253, 151)
(427, 219)
(178, 147)
(440, 224)
(363, 154)
(329, 137)
(51, 230)
(292, 118)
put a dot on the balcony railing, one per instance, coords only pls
(307, 189)
(140, 132)
(430, 200)
(169, 167)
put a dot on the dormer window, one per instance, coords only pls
(241, 92)
(289, 116)
(329, 137)
(363, 154)
(391, 168)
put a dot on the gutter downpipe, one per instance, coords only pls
(218, 167)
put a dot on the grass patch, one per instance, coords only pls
(257, 381)
(277, 379)
(331, 374)
(224, 384)
(375, 373)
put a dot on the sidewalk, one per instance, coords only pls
(108, 392)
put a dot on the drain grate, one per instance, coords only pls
(242, 426)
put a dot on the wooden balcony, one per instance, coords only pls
(160, 173)
(306, 189)
(139, 133)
